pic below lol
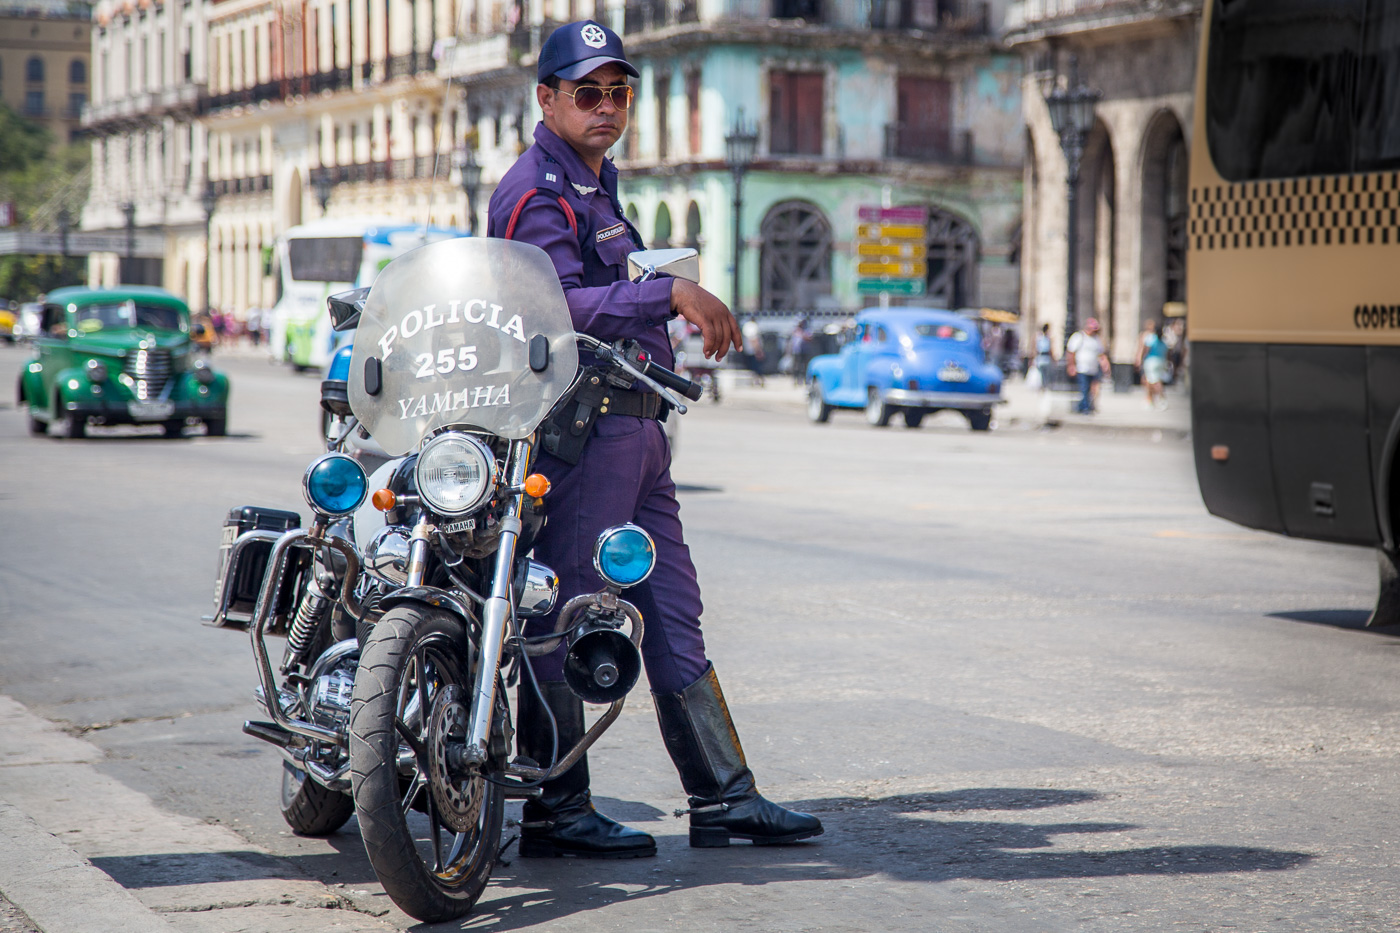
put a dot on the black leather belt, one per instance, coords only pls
(633, 403)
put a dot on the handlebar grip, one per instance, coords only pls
(674, 381)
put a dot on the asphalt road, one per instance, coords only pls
(1025, 680)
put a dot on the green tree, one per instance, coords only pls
(22, 141)
(40, 179)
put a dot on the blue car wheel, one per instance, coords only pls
(877, 410)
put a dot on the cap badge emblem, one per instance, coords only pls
(593, 36)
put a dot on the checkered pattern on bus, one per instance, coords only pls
(1297, 212)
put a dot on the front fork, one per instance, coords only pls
(496, 607)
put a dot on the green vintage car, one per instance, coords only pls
(120, 355)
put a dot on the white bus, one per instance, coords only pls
(319, 259)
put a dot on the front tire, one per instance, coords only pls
(74, 427)
(175, 427)
(432, 872)
(312, 809)
(216, 427)
(877, 410)
(913, 417)
(818, 411)
(980, 419)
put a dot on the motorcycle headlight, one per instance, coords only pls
(455, 473)
(335, 484)
(96, 371)
(624, 555)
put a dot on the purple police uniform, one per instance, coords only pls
(624, 474)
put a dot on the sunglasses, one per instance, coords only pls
(589, 96)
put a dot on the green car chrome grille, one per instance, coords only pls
(151, 371)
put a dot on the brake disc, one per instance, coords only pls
(457, 794)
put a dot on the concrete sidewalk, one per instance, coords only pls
(60, 817)
(1025, 408)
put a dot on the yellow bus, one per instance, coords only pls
(1293, 290)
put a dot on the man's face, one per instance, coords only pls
(591, 132)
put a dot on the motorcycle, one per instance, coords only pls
(404, 609)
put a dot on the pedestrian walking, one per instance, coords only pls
(1087, 362)
(561, 195)
(1151, 361)
(799, 349)
(753, 349)
(1044, 356)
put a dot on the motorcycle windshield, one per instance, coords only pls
(446, 337)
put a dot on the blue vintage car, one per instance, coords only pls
(907, 360)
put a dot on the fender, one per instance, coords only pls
(434, 597)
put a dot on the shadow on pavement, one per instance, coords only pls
(900, 837)
(1354, 619)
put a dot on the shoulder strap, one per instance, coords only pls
(550, 180)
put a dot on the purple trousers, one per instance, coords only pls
(624, 475)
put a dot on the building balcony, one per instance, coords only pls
(645, 15)
(272, 90)
(409, 64)
(956, 17)
(1031, 19)
(928, 144)
(475, 55)
(251, 184)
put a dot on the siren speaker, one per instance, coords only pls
(602, 665)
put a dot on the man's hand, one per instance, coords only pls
(717, 326)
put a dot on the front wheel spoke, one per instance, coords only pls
(414, 787)
(458, 843)
(437, 830)
(420, 748)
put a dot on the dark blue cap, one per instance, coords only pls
(575, 49)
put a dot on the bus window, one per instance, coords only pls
(1281, 74)
(325, 259)
(1378, 91)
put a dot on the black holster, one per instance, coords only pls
(571, 425)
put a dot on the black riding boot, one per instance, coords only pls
(724, 803)
(563, 820)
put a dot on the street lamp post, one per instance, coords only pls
(209, 201)
(740, 147)
(65, 224)
(129, 212)
(322, 185)
(1072, 115)
(471, 183)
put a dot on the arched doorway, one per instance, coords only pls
(1164, 198)
(692, 226)
(795, 258)
(662, 237)
(953, 249)
(1097, 219)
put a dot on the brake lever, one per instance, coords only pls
(610, 353)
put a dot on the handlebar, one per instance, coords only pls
(672, 380)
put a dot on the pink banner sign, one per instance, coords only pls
(902, 215)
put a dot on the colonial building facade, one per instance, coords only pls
(240, 116)
(44, 68)
(1131, 231)
(268, 106)
(899, 103)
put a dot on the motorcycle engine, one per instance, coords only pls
(330, 699)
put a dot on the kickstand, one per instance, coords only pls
(501, 853)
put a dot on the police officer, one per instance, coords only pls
(561, 195)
